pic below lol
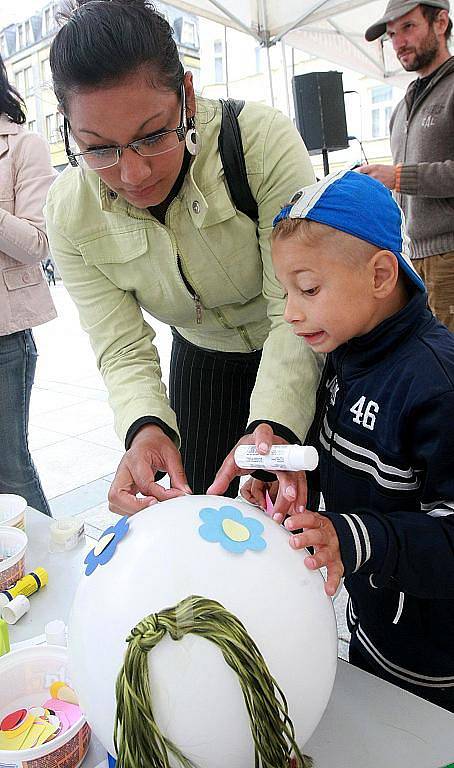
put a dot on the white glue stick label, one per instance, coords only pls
(281, 457)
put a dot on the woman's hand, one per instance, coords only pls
(292, 485)
(151, 450)
(320, 533)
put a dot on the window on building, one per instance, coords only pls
(47, 21)
(20, 36)
(51, 129)
(218, 61)
(28, 33)
(381, 97)
(59, 125)
(20, 82)
(381, 93)
(3, 50)
(188, 36)
(32, 126)
(28, 80)
(46, 75)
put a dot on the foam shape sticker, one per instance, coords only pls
(37, 711)
(228, 527)
(37, 732)
(24, 726)
(63, 692)
(13, 740)
(47, 732)
(13, 720)
(106, 546)
(72, 712)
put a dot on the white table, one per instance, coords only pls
(368, 723)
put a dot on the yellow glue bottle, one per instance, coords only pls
(29, 584)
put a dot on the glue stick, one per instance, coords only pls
(25, 586)
(280, 457)
(4, 638)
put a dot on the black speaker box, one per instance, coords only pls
(320, 111)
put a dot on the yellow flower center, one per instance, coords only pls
(103, 543)
(235, 531)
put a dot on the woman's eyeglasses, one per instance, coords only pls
(150, 146)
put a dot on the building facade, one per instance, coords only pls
(25, 45)
(232, 64)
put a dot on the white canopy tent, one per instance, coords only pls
(329, 29)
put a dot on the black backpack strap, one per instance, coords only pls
(232, 156)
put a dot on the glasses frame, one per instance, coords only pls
(181, 130)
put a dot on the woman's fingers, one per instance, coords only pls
(151, 450)
(127, 504)
(264, 438)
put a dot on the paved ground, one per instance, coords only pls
(71, 425)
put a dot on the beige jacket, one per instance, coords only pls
(116, 259)
(26, 174)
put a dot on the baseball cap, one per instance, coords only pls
(359, 205)
(394, 10)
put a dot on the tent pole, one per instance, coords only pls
(226, 63)
(270, 75)
(266, 43)
(284, 67)
(354, 44)
(236, 21)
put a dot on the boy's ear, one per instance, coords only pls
(385, 273)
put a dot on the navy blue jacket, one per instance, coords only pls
(384, 427)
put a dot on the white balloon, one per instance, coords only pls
(197, 699)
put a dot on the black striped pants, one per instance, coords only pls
(209, 392)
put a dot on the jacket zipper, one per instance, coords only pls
(241, 330)
(193, 294)
(333, 431)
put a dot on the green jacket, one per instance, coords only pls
(115, 258)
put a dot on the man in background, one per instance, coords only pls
(422, 142)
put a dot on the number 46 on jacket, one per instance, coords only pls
(365, 416)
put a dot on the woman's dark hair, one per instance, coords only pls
(11, 103)
(105, 40)
(430, 13)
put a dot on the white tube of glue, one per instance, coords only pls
(280, 458)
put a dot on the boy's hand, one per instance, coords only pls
(320, 533)
(254, 491)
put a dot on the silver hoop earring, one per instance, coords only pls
(192, 139)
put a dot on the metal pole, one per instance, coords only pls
(325, 161)
(226, 63)
(265, 38)
(284, 66)
(270, 75)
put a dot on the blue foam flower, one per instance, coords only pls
(100, 555)
(228, 527)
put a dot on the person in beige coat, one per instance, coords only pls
(26, 174)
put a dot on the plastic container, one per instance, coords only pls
(65, 534)
(12, 510)
(13, 543)
(55, 632)
(280, 458)
(26, 676)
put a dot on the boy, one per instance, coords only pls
(384, 428)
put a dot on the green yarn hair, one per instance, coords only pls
(138, 740)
